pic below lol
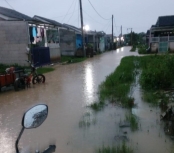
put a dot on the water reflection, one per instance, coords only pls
(6, 142)
(118, 50)
(89, 84)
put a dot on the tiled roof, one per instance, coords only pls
(165, 21)
(53, 22)
(14, 14)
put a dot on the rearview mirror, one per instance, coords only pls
(35, 116)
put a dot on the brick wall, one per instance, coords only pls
(13, 42)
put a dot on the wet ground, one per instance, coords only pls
(71, 125)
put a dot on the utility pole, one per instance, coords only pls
(131, 35)
(112, 32)
(121, 37)
(121, 31)
(81, 15)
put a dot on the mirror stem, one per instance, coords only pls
(17, 141)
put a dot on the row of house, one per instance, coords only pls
(48, 39)
(160, 37)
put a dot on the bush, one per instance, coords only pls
(142, 49)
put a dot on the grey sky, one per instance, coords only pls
(136, 14)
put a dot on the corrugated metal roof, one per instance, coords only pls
(165, 21)
(53, 22)
(14, 14)
(72, 27)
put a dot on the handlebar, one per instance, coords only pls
(32, 65)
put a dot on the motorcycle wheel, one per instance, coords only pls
(40, 78)
(19, 84)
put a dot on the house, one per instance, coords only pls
(14, 37)
(52, 38)
(19, 31)
(70, 40)
(161, 35)
(100, 41)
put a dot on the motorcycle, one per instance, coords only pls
(33, 118)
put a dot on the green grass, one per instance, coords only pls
(72, 59)
(156, 73)
(97, 106)
(133, 49)
(45, 69)
(155, 97)
(39, 70)
(142, 49)
(132, 119)
(117, 85)
(2, 68)
(118, 149)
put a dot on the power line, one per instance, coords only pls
(97, 12)
(9, 4)
(69, 10)
(73, 12)
(64, 15)
(105, 28)
(91, 17)
(116, 27)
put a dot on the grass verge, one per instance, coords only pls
(39, 70)
(118, 149)
(156, 75)
(117, 85)
(133, 49)
(72, 59)
(45, 69)
(132, 119)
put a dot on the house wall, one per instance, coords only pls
(154, 47)
(171, 46)
(14, 39)
(67, 42)
(54, 52)
(102, 44)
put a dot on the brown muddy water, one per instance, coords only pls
(71, 125)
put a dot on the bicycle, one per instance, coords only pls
(25, 80)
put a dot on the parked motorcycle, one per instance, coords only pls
(33, 118)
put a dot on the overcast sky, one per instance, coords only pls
(136, 14)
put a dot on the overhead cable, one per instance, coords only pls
(9, 4)
(73, 12)
(97, 12)
(69, 10)
(91, 17)
(64, 15)
(116, 27)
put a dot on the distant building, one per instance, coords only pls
(161, 35)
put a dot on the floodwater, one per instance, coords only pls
(70, 124)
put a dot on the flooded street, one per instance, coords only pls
(71, 125)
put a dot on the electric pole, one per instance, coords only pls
(81, 15)
(112, 32)
(121, 31)
(131, 35)
(121, 37)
